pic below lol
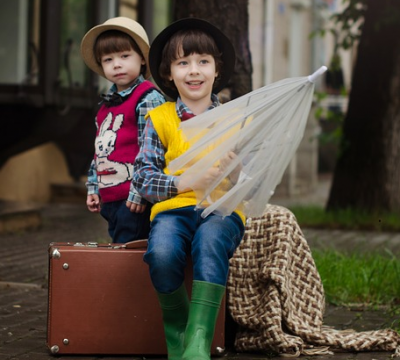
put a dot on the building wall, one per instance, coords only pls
(281, 48)
(280, 40)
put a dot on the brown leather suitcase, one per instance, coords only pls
(101, 301)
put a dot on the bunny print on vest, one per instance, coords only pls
(113, 166)
(116, 146)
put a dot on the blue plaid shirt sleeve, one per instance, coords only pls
(149, 178)
(149, 102)
(135, 197)
(92, 185)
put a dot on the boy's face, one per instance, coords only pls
(194, 76)
(122, 68)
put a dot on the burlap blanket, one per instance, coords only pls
(276, 296)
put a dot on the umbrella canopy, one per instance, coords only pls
(263, 130)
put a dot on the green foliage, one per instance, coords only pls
(350, 219)
(350, 23)
(347, 25)
(367, 279)
(327, 115)
(319, 97)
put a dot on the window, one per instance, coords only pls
(19, 42)
(74, 24)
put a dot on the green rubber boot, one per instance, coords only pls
(204, 309)
(175, 310)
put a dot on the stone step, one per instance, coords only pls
(19, 216)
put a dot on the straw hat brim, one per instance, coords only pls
(223, 43)
(126, 25)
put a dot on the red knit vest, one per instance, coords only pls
(116, 145)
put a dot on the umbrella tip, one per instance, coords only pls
(313, 77)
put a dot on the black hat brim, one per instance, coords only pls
(224, 45)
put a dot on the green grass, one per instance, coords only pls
(356, 279)
(317, 217)
(366, 279)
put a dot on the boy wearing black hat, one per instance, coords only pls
(118, 50)
(191, 60)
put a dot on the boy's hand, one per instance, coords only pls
(202, 183)
(224, 163)
(93, 203)
(135, 208)
(211, 174)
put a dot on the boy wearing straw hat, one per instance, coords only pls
(191, 60)
(118, 50)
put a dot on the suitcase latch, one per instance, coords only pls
(88, 244)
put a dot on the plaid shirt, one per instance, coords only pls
(149, 102)
(148, 173)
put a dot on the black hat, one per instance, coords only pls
(223, 43)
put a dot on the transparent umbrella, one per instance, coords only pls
(263, 129)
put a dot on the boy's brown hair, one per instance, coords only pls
(112, 41)
(189, 41)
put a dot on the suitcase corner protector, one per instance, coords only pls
(54, 349)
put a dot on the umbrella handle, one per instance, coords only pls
(313, 77)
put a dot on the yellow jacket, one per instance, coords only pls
(166, 122)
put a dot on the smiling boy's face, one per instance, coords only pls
(183, 44)
(194, 76)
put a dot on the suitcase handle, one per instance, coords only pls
(137, 244)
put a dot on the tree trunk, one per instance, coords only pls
(231, 17)
(367, 173)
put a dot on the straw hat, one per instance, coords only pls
(124, 24)
(223, 43)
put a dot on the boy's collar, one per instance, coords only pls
(184, 113)
(115, 97)
(113, 88)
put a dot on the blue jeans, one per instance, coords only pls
(176, 233)
(123, 225)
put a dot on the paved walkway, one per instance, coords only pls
(23, 282)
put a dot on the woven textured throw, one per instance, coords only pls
(276, 295)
